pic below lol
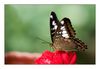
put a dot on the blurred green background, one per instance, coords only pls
(27, 27)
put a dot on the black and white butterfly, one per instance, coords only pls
(63, 35)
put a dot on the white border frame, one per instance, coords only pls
(2, 2)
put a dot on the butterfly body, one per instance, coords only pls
(61, 43)
(63, 35)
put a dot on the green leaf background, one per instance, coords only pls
(27, 27)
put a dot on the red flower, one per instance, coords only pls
(57, 57)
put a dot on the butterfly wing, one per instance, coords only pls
(53, 24)
(69, 32)
(80, 45)
(66, 28)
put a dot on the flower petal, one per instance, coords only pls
(73, 58)
(57, 57)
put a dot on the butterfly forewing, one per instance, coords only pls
(53, 24)
(66, 23)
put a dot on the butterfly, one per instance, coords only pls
(63, 35)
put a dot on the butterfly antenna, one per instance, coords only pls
(43, 41)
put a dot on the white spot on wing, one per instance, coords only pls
(53, 23)
(65, 35)
(62, 22)
(64, 32)
(59, 32)
(63, 28)
(51, 16)
(55, 27)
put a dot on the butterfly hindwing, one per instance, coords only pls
(80, 45)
